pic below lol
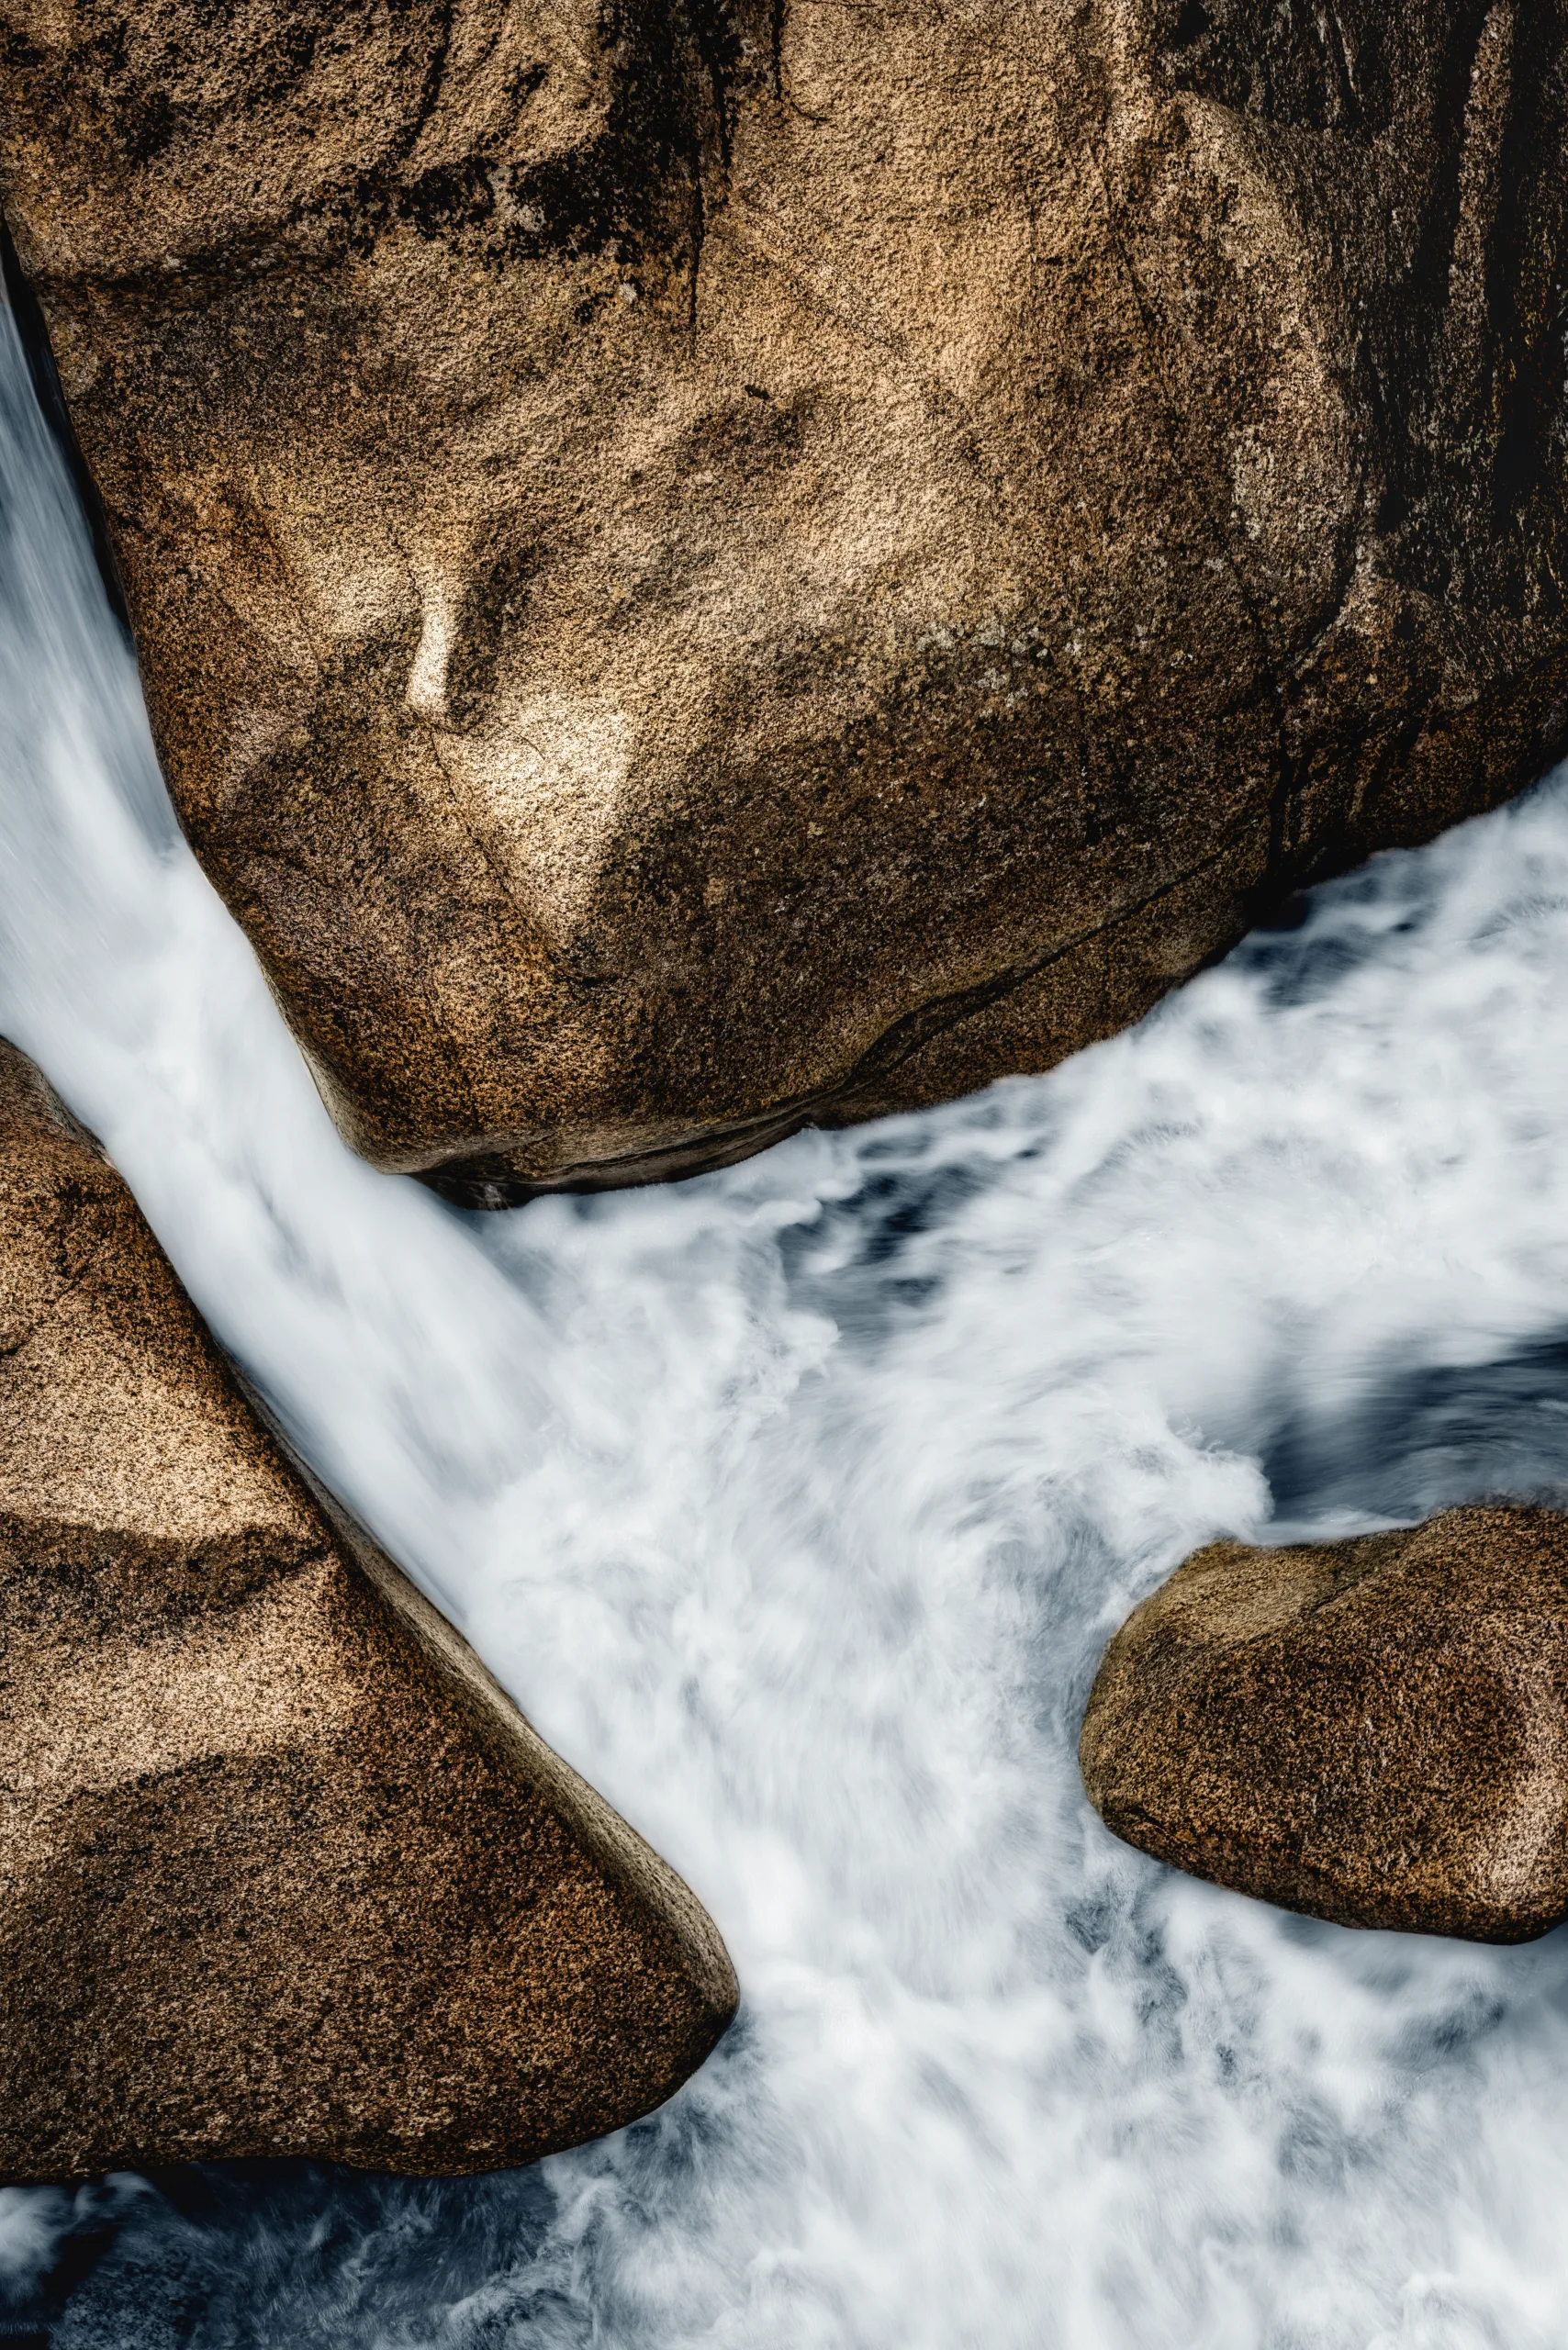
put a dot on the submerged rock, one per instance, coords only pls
(282, 1869)
(1374, 1731)
(709, 564)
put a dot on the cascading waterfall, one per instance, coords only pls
(795, 1504)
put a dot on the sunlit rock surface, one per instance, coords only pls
(282, 1871)
(1372, 1730)
(703, 565)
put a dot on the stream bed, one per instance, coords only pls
(795, 1504)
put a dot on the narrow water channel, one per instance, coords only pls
(795, 1504)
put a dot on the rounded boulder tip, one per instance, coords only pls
(284, 1871)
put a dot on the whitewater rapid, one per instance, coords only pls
(795, 1504)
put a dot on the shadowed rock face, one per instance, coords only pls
(700, 563)
(282, 1870)
(1374, 1732)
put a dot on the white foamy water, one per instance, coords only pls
(796, 1504)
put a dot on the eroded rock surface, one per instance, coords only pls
(282, 1871)
(1374, 1732)
(707, 563)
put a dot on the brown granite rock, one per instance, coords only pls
(1374, 1731)
(282, 1870)
(705, 563)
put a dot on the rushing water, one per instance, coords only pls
(795, 1504)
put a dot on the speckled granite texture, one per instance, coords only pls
(1374, 1731)
(706, 564)
(282, 1870)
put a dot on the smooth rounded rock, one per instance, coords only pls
(1374, 1732)
(283, 1871)
(711, 564)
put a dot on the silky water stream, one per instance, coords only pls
(796, 1504)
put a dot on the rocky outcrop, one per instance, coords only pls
(706, 564)
(1374, 1731)
(282, 1869)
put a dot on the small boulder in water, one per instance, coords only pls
(1373, 1732)
(282, 1870)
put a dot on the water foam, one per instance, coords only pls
(795, 1504)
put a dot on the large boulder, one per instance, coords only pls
(705, 563)
(282, 1870)
(1374, 1732)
